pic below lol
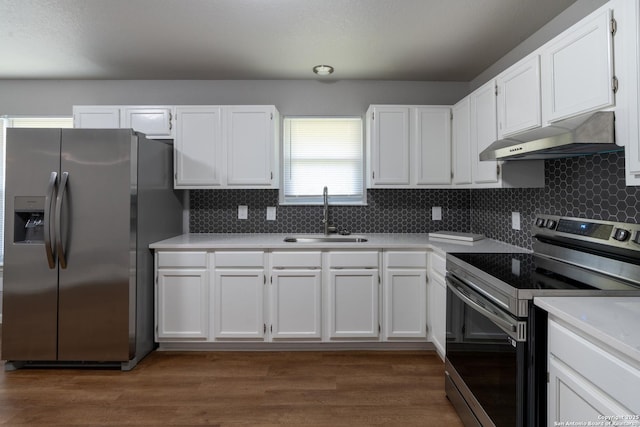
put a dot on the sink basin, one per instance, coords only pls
(325, 239)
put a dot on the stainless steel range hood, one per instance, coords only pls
(587, 134)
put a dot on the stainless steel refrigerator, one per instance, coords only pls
(81, 207)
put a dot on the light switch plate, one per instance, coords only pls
(243, 212)
(436, 213)
(271, 213)
(515, 220)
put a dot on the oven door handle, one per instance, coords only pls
(459, 289)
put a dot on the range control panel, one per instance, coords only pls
(620, 234)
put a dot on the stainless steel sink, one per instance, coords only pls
(325, 239)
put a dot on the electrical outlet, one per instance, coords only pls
(436, 213)
(243, 212)
(515, 220)
(271, 213)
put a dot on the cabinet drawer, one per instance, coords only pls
(438, 264)
(296, 259)
(353, 259)
(239, 259)
(610, 374)
(182, 259)
(406, 259)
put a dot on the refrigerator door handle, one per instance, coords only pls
(48, 200)
(58, 228)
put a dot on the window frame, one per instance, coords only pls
(360, 200)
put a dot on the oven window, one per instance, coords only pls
(485, 358)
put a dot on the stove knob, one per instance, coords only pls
(621, 234)
(551, 224)
(540, 222)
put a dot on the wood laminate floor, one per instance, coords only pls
(226, 388)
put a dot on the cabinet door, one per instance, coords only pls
(437, 305)
(353, 303)
(389, 149)
(182, 303)
(570, 397)
(155, 122)
(96, 117)
(432, 136)
(483, 132)
(461, 142)
(238, 304)
(250, 146)
(198, 147)
(577, 68)
(296, 304)
(405, 303)
(519, 105)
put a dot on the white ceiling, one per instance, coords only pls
(433, 40)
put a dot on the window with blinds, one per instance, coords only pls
(319, 152)
(22, 122)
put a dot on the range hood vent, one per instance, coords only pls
(587, 134)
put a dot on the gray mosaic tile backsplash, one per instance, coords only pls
(588, 187)
(584, 187)
(388, 211)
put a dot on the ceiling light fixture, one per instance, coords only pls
(323, 70)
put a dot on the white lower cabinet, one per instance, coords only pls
(353, 289)
(296, 296)
(437, 302)
(437, 309)
(183, 303)
(405, 295)
(238, 300)
(588, 382)
(182, 296)
(353, 303)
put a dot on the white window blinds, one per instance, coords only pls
(321, 152)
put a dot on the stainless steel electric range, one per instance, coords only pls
(496, 338)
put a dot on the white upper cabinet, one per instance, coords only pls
(474, 128)
(627, 63)
(432, 136)
(156, 121)
(388, 145)
(461, 142)
(96, 117)
(251, 146)
(226, 146)
(408, 146)
(577, 68)
(198, 147)
(483, 132)
(519, 99)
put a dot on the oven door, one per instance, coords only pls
(485, 359)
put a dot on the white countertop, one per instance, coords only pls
(192, 241)
(614, 321)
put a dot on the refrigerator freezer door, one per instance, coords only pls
(30, 297)
(98, 239)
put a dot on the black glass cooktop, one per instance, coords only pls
(520, 270)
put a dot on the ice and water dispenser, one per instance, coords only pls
(29, 220)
